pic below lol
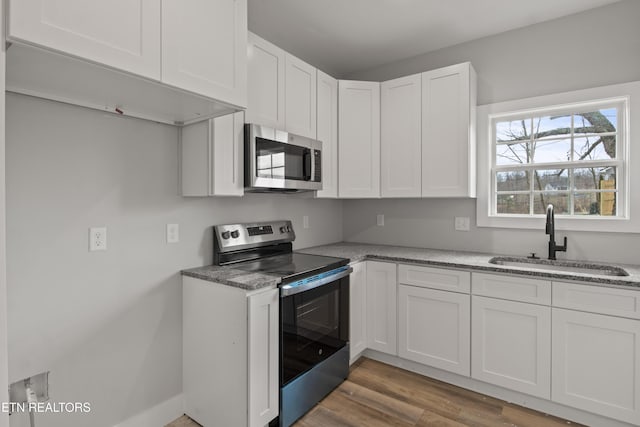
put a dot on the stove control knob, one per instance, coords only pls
(289, 228)
(225, 235)
(283, 229)
(235, 234)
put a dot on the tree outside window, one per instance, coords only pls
(567, 157)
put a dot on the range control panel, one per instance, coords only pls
(259, 230)
(232, 237)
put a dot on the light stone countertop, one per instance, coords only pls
(475, 261)
(227, 275)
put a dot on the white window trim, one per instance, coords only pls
(628, 219)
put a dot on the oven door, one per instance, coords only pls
(314, 322)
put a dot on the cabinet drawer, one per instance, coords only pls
(436, 278)
(512, 288)
(596, 299)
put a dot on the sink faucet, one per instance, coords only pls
(550, 229)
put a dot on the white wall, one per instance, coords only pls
(108, 324)
(593, 48)
(590, 49)
(4, 385)
(428, 223)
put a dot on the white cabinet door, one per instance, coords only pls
(357, 311)
(228, 155)
(212, 157)
(300, 97)
(327, 130)
(359, 139)
(124, 34)
(265, 83)
(263, 357)
(382, 305)
(448, 132)
(511, 345)
(400, 137)
(596, 364)
(434, 328)
(204, 48)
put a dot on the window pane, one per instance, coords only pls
(545, 151)
(560, 202)
(551, 179)
(512, 204)
(599, 121)
(512, 154)
(559, 156)
(516, 130)
(278, 160)
(595, 204)
(602, 178)
(551, 126)
(595, 148)
(512, 181)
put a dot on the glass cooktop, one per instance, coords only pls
(292, 266)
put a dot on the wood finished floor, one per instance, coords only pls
(376, 395)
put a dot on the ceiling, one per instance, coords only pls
(341, 37)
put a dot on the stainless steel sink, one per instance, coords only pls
(559, 266)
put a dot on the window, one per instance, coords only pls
(571, 156)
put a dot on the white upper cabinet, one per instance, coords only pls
(448, 132)
(401, 129)
(265, 82)
(204, 48)
(359, 139)
(191, 56)
(327, 130)
(123, 34)
(282, 89)
(300, 97)
(212, 157)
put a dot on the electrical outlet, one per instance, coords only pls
(98, 239)
(380, 220)
(462, 223)
(173, 233)
(305, 221)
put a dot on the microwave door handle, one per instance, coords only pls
(306, 166)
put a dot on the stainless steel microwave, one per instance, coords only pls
(278, 161)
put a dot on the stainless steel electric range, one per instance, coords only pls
(314, 309)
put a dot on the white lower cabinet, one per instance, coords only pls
(508, 332)
(434, 328)
(357, 311)
(230, 354)
(596, 364)
(263, 357)
(511, 345)
(382, 307)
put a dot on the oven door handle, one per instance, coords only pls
(292, 288)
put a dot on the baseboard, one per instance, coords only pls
(157, 416)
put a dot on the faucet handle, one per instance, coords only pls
(563, 248)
